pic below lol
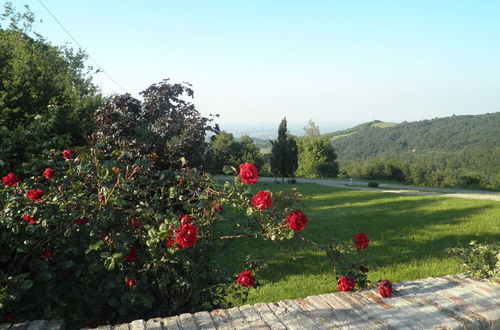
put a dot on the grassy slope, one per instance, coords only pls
(409, 235)
(356, 129)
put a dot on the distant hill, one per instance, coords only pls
(459, 143)
(261, 143)
(359, 128)
(439, 134)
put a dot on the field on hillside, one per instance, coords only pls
(409, 235)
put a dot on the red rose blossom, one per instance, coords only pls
(47, 254)
(185, 219)
(11, 180)
(262, 200)
(81, 221)
(67, 154)
(246, 278)
(32, 220)
(218, 208)
(185, 235)
(346, 283)
(132, 255)
(181, 181)
(136, 223)
(248, 173)
(88, 325)
(170, 241)
(48, 173)
(130, 283)
(35, 194)
(361, 241)
(297, 220)
(385, 288)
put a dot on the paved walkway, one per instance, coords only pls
(449, 302)
(392, 188)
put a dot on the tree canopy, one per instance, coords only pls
(284, 161)
(46, 93)
(164, 124)
(226, 150)
(316, 156)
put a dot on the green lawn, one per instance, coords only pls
(409, 235)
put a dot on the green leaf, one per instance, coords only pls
(27, 284)
(94, 246)
(226, 169)
(109, 264)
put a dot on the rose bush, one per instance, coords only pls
(143, 238)
(98, 220)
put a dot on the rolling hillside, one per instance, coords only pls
(440, 134)
(463, 144)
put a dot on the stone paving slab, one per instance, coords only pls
(449, 302)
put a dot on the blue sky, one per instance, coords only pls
(330, 61)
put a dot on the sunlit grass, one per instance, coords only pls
(409, 236)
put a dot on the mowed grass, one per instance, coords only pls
(408, 238)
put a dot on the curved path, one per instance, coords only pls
(392, 188)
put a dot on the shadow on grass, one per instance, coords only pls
(403, 229)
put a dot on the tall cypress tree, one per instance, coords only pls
(284, 159)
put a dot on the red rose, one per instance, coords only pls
(385, 288)
(102, 235)
(364, 269)
(346, 283)
(47, 254)
(48, 173)
(246, 278)
(297, 220)
(81, 221)
(262, 200)
(218, 208)
(248, 173)
(361, 241)
(35, 194)
(185, 219)
(170, 242)
(132, 255)
(67, 154)
(136, 223)
(88, 325)
(185, 235)
(181, 181)
(31, 220)
(130, 283)
(11, 180)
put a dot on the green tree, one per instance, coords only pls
(226, 150)
(311, 129)
(46, 94)
(284, 161)
(316, 154)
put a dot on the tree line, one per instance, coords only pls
(290, 156)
